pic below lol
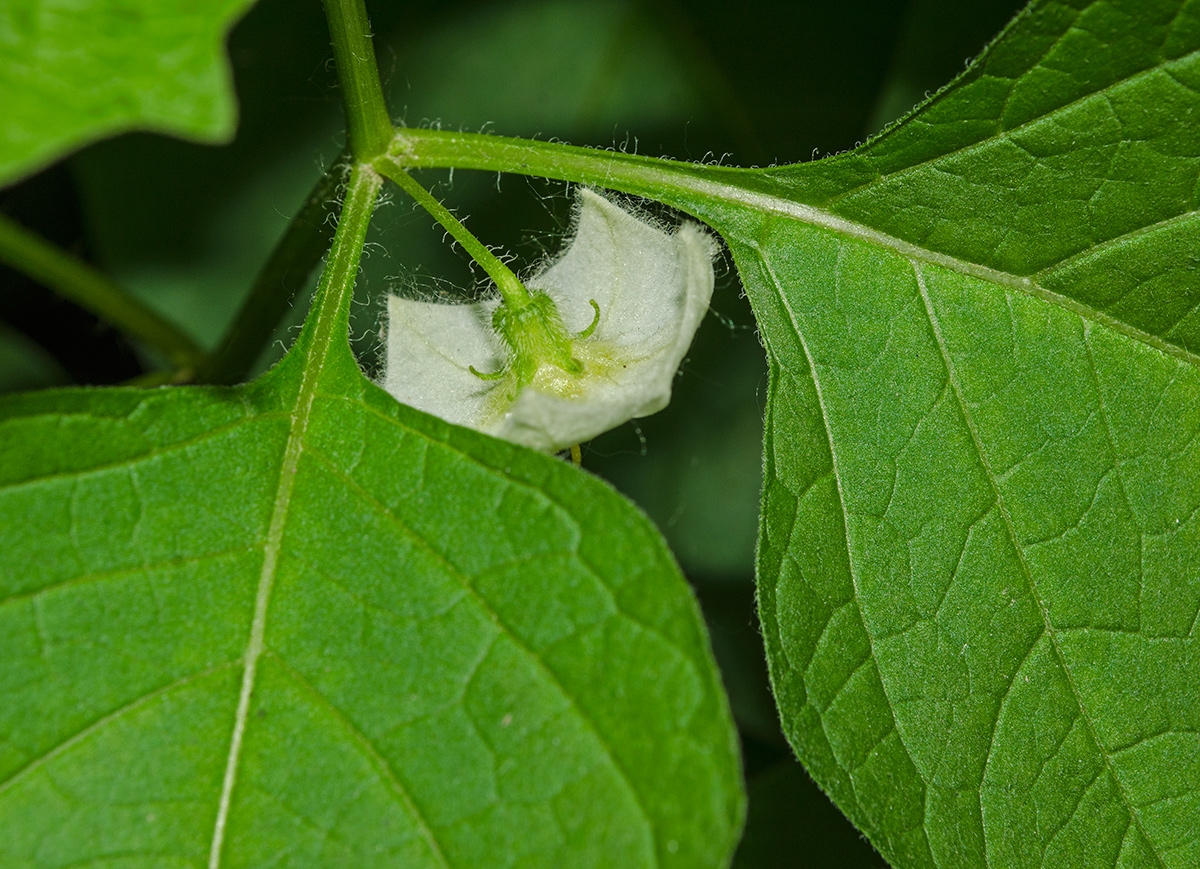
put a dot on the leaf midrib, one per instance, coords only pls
(324, 327)
(297, 430)
(822, 219)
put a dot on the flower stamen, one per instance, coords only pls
(586, 333)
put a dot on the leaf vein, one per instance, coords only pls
(105, 720)
(134, 460)
(390, 774)
(976, 440)
(513, 636)
(133, 570)
(1005, 131)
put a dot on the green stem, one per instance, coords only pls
(79, 282)
(291, 262)
(331, 307)
(366, 114)
(514, 293)
(675, 183)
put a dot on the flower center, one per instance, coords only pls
(536, 337)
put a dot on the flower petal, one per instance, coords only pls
(632, 269)
(652, 287)
(430, 348)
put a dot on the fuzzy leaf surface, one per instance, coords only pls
(978, 568)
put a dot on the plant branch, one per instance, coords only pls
(76, 280)
(370, 128)
(665, 180)
(513, 292)
(296, 254)
(331, 314)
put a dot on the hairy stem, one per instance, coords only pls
(341, 268)
(370, 129)
(79, 282)
(514, 293)
(665, 180)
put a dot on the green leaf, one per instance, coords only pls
(77, 70)
(322, 629)
(979, 579)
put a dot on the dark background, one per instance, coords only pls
(185, 227)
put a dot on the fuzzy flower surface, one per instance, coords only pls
(598, 343)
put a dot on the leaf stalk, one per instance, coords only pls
(331, 314)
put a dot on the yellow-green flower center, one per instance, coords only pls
(535, 337)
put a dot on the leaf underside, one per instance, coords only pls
(978, 569)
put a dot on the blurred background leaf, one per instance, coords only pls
(77, 70)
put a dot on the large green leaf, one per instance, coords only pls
(979, 561)
(979, 570)
(338, 633)
(77, 70)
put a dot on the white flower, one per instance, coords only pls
(598, 343)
